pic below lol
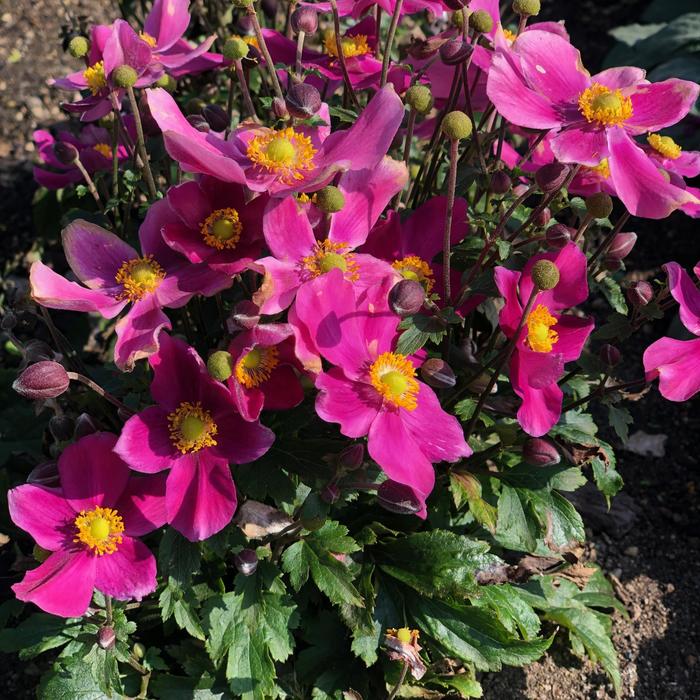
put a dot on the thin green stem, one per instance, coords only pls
(253, 15)
(341, 56)
(141, 144)
(447, 232)
(396, 17)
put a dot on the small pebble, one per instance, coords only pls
(632, 551)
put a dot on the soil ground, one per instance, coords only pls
(650, 543)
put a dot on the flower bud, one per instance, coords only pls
(199, 123)
(545, 275)
(330, 199)
(612, 264)
(245, 315)
(500, 182)
(406, 297)
(8, 321)
(457, 126)
(640, 293)
(526, 8)
(558, 236)
(106, 638)
(138, 650)
(78, 47)
(622, 245)
(44, 474)
(330, 493)
(42, 380)
(195, 105)
(220, 365)
(304, 19)
(599, 205)
(61, 427)
(124, 76)
(437, 373)
(216, 117)
(455, 51)
(419, 98)
(167, 82)
(303, 100)
(551, 177)
(543, 217)
(65, 152)
(352, 457)
(610, 356)
(481, 21)
(540, 453)
(246, 561)
(398, 498)
(84, 425)
(235, 49)
(279, 108)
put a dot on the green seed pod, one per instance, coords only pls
(124, 76)
(167, 82)
(330, 199)
(545, 275)
(235, 49)
(138, 650)
(599, 205)
(420, 98)
(457, 126)
(78, 47)
(220, 365)
(242, 3)
(481, 21)
(526, 8)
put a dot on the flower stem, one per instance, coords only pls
(300, 51)
(603, 247)
(390, 42)
(341, 56)
(446, 237)
(76, 376)
(89, 182)
(108, 610)
(253, 15)
(402, 678)
(407, 148)
(247, 101)
(141, 145)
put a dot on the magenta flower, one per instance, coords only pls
(89, 524)
(549, 339)
(677, 362)
(210, 221)
(194, 431)
(264, 373)
(94, 145)
(371, 389)
(115, 275)
(280, 161)
(540, 83)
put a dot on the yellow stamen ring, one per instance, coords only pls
(540, 336)
(326, 256)
(256, 366)
(191, 427)
(100, 529)
(139, 276)
(222, 228)
(286, 153)
(603, 106)
(95, 77)
(103, 149)
(602, 169)
(665, 145)
(394, 377)
(150, 40)
(351, 45)
(414, 268)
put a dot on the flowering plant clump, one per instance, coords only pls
(320, 348)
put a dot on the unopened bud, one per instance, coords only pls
(419, 98)
(526, 8)
(65, 152)
(640, 293)
(199, 123)
(599, 205)
(195, 105)
(42, 380)
(330, 493)
(61, 427)
(609, 355)
(235, 49)
(78, 47)
(352, 457)
(330, 199)
(612, 264)
(622, 245)
(398, 498)
(500, 182)
(246, 561)
(437, 373)
(551, 177)
(481, 21)
(545, 275)
(106, 638)
(303, 100)
(220, 365)
(8, 321)
(455, 51)
(245, 315)
(558, 236)
(407, 297)
(84, 425)
(279, 108)
(543, 217)
(216, 117)
(457, 126)
(138, 650)
(44, 474)
(304, 19)
(124, 76)
(540, 453)
(167, 82)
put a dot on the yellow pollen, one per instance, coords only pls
(139, 276)
(394, 377)
(150, 40)
(249, 39)
(255, 367)
(510, 36)
(540, 336)
(404, 634)
(602, 169)
(414, 268)
(103, 149)
(222, 228)
(328, 256)
(604, 106)
(351, 45)
(665, 145)
(95, 77)
(191, 427)
(303, 198)
(286, 152)
(100, 529)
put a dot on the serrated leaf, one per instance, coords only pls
(38, 634)
(607, 478)
(620, 418)
(514, 529)
(613, 293)
(559, 519)
(178, 557)
(71, 682)
(511, 608)
(467, 487)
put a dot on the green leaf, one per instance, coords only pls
(72, 682)
(167, 687)
(562, 523)
(177, 556)
(465, 408)
(607, 478)
(514, 529)
(417, 331)
(620, 418)
(511, 608)
(105, 669)
(180, 603)
(467, 487)
(38, 634)
(613, 293)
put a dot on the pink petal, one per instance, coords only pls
(142, 505)
(283, 389)
(145, 444)
(507, 282)
(125, 47)
(185, 280)
(677, 364)
(249, 401)
(422, 232)
(279, 286)
(620, 78)
(43, 513)
(586, 145)
(541, 407)
(573, 333)
(201, 498)
(287, 230)
(239, 441)
(540, 368)
(686, 294)
(658, 105)
(354, 405)
(62, 585)
(304, 345)
(138, 331)
(130, 572)
(178, 372)
(167, 22)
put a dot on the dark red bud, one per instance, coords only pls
(42, 380)
(45, 474)
(455, 51)
(199, 122)
(216, 117)
(303, 100)
(398, 498)
(621, 245)
(609, 355)
(551, 177)
(437, 373)
(279, 108)
(84, 425)
(543, 217)
(352, 457)
(330, 493)
(246, 561)
(406, 297)
(304, 19)
(246, 315)
(540, 453)
(106, 638)
(612, 264)
(500, 182)
(65, 152)
(558, 236)
(61, 428)
(640, 293)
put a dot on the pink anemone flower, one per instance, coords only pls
(540, 83)
(549, 339)
(371, 389)
(280, 161)
(89, 524)
(194, 431)
(213, 222)
(264, 373)
(677, 362)
(115, 275)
